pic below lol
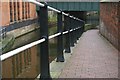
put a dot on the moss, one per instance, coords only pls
(90, 26)
(7, 43)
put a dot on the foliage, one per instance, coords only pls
(90, 26)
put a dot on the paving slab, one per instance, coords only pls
(93, 57)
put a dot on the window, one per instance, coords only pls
(11, 12)
(22, 10)
(28, 10)
(18, 10)
(14, 11)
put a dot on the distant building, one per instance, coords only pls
(110, 21)
(14, 15)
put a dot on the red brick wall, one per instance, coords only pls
(5, 12)
(109, 19)
(32, 11)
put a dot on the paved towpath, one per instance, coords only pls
(93, 57)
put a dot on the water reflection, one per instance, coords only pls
(27, 63)
(52, 49)
(93, 18)
(22, 65)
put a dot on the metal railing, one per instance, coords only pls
(73, 29)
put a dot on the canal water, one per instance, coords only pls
(27, 63)
(93, 18)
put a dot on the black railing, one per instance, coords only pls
(70, 23)
(73, 29)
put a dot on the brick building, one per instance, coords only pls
(18, 18)
(110, 21)
(17, 14)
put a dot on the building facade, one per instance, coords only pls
(16, 15)
(18, 18)
(110, 21)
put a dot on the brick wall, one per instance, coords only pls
(109, 21)
(32, 10)
(29, 13)
(4, 11)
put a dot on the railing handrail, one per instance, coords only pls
(20, 49)
(53, 9)
(75, 30)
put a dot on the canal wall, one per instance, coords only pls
(23, 30)
(17, 19)
(110, 21)
(16, 15)
(26, 64)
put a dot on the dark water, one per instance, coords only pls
(93, 19)
(27, 63)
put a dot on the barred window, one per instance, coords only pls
(11, 12)
(28, 10)
(15, 11)
(23, 10)
(18, 10)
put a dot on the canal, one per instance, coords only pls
(27, 63)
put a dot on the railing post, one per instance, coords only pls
(78, 30)
(60, 56)
(67, 36)
(72, 33)
(44, 49)
(83, 27)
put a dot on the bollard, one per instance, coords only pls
(78, 30)
(60, 56)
